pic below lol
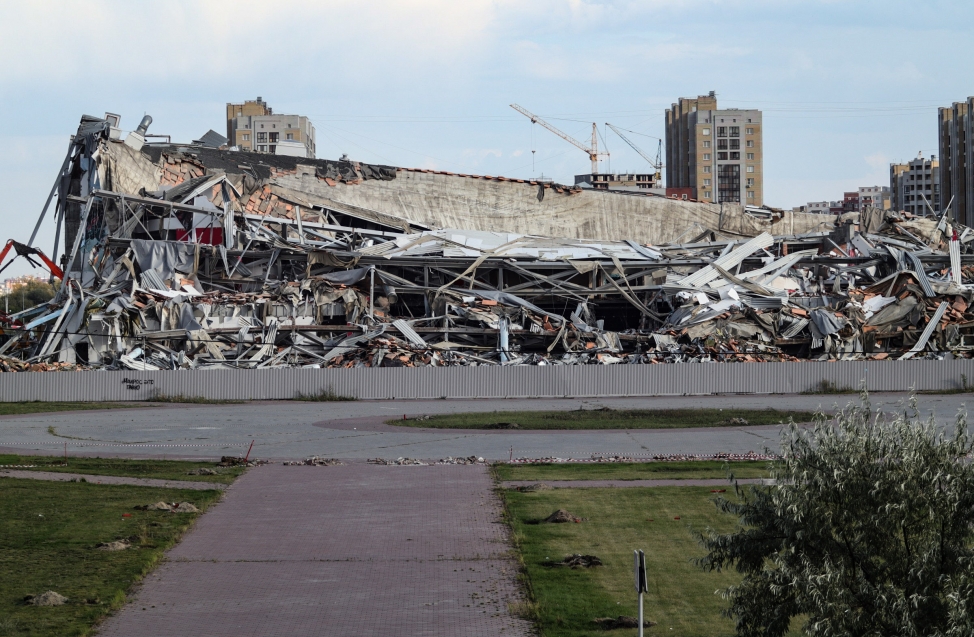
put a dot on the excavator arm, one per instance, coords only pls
(27, 252)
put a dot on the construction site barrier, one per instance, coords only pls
(546, 381)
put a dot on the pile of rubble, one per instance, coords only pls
(238, 461)
(750, 456)
(468, 460)
(174, 507)
(397, 461)
(182, 256)
(313, 461)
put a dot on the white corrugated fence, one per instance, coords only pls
(488, 382)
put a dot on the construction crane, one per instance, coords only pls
(657, 163)
(593, 150)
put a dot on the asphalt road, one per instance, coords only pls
(290, 429)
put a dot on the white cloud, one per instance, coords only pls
(877, 160)
(220, 39)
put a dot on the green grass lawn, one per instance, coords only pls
(681, 597)
(609, 419)
(700, 470)
(49, 532)
(161, 469)
(34, 407)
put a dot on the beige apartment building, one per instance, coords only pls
(956, 135)
(718, 154)
(915, 185)
(253, 126)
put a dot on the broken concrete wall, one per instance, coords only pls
(443, 200)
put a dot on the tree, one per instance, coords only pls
(866, 531)
(26, 295)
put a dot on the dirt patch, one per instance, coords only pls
(581, 561)
(612, 623)
(531, 488)
(175, 507)
(733, 422)
(203, 471)
(561, 516)
(502, 425)
(50, 598)
(117, 545)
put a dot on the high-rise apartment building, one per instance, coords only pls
(718, 154)
(956, 155)
(253, 126)
(914, 181)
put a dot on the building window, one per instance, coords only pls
(706, 144)
(706, 182)
(274, 137)
(735, 144)
(262, 148)
(706, 156)
(750, 143)
(750, 156)
(750, 169)
(706, 169)
(273, 125)
(735, 155)
(721, 156)
(729, 183)
(705, 131)
(706, 194)
(721, 144)
(750, 181)
(245, 137)
(749, 131)
(721, 131)
(262, 126)
(750, 194)
(735, 131)
(291, 136)
(273, 148)
(261, 137)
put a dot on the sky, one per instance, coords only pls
(846, 86)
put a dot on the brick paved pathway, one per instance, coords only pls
(345, 550)
(95, 479)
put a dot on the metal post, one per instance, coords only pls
(642, 585)
(640, 614)
(372, 294)
(502, 334)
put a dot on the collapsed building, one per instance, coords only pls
(190, 256)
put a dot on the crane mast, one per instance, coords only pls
(592, 151)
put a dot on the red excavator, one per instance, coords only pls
(27, 252)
